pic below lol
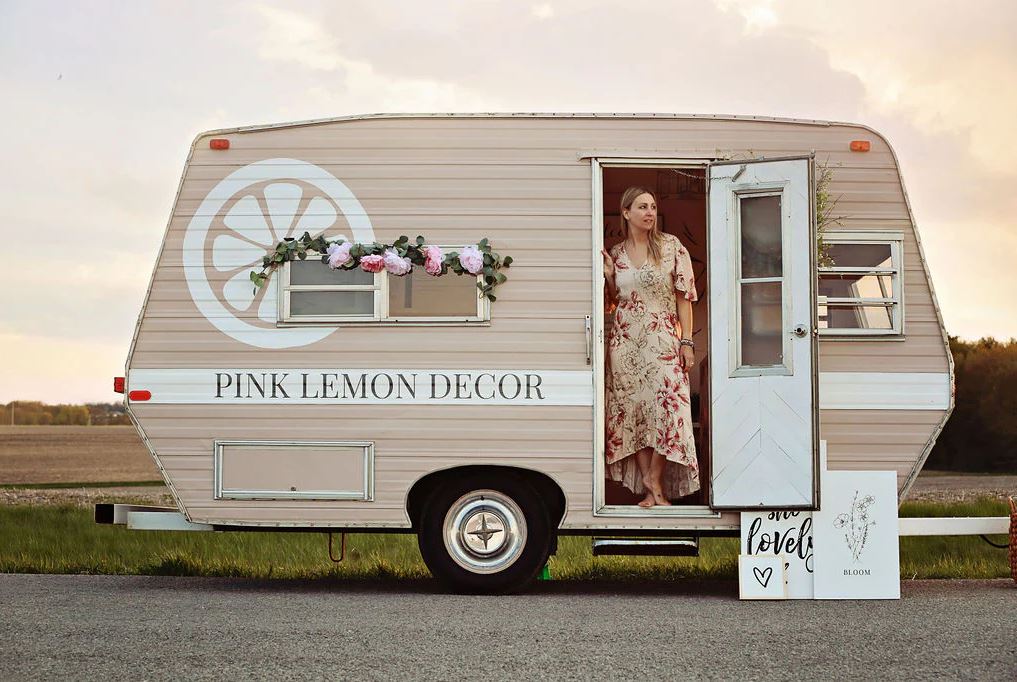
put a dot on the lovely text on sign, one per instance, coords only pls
(787, 534)
(795, 540)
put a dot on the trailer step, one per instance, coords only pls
(145, 517)
(684, 546)
(116, 514)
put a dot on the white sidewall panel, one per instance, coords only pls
(884, 391)
(320, 386)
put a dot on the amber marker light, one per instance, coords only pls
(860, 145)
(139, 396)
(223, 143)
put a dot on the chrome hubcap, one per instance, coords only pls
(484, 531)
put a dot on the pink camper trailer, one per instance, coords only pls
(355, 401)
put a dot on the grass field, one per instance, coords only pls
(65, 540)
(49, 477)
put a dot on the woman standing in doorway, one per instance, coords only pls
(650, 446)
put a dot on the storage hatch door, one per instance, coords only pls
(764, 441)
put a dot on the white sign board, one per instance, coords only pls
(337, 386)
(856, 536)
(761, 576)
(786, 533)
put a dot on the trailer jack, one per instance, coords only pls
(342, 548)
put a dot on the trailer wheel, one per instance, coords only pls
(485, 536)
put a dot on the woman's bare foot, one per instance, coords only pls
(648, 501)
(649, 483)
(659, 499)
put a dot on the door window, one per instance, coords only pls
(760, 282)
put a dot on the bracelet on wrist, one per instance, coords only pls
(687, 342)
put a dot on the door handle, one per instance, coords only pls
(801, 331)
(589, 341)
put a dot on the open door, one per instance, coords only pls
(763, 383)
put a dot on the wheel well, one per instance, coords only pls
(548, 490)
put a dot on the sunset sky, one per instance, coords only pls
(101, 101)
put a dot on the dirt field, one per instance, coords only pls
(948, 486)
(84, 454)
(73, 454)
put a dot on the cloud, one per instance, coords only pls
(64, 370)
(759, 15)
(937, 84)
(94, 157)
(976, 298)
(944, 71)
(292, 38)
(603, 56)
(542, 11)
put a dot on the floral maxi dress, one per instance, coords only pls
(647, 390)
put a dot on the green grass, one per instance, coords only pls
(965, 556)
(66, 540)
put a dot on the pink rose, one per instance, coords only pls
(339, 254)
(432, 259)
(372, 263)
(395, 263)
(471, 259)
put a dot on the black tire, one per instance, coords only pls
(449, 553)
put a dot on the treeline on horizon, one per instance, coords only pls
(35, 413)
(980, 436)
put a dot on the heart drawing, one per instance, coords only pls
(763, 577)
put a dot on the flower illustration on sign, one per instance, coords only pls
(856, 524)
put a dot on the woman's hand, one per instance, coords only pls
(687, 357)
(608, 264)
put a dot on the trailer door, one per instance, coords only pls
(761, 253)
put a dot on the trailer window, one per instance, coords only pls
(418, 295)
(310, 291)
(860, 291)
(313, 292)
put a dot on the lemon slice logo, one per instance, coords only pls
(240, 221)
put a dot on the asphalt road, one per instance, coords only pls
(108, 627)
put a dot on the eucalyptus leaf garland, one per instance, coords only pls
(396, 258)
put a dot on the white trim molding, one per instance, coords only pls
(884, 390)
(955, 525)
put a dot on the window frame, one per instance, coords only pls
(380, 314)
(285, 288)
(786, 366)
(895, 240)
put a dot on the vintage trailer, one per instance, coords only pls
(362, 402)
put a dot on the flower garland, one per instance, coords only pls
(397, 258)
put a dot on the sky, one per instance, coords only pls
(101, 101)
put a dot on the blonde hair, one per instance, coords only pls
(655, 241)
